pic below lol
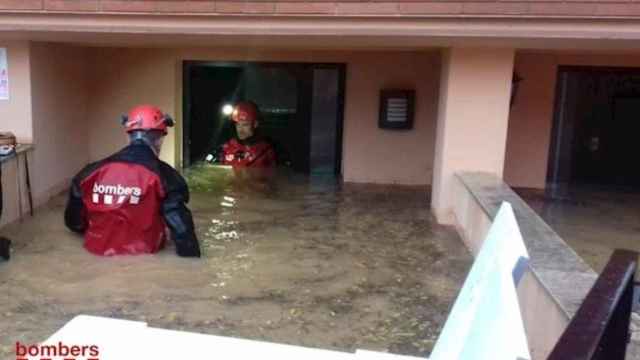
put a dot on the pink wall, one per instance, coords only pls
(76, 95)
(120, 79)
(15, 113)
(472, 120)
(374, 155)
(59, 106)
(130, 76)
(47, 106)
(532, 115)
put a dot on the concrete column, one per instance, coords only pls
(473, 114)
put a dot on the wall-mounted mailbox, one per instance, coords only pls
(396, 109)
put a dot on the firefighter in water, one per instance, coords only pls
(123, 204)
(250, 152)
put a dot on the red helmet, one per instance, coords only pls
(245, 111)
(145, 118)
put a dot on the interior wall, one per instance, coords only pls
(371, 155)
(531, 117)
(60, 122)
(15, 113)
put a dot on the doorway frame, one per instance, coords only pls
(553, 187)
(187, 65)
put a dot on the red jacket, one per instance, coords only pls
(124, 203)
(253, 153)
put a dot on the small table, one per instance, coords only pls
(21, 151)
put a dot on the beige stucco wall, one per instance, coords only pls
(15, 113)
(531, 117)
(59, 108)
(130, 76)
(385, 156)
(47, 106)
(120, 79)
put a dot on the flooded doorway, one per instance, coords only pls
(594, 130)
(301, 107)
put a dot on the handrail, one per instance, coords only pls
(600, 327)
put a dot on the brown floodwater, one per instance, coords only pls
(593, 221)
(307, 262)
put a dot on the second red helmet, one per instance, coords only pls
(245, 111)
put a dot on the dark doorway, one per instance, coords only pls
(209, 89)
(594, 130)
(301, 107)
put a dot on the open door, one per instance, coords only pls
(593, 142)
(301, 106)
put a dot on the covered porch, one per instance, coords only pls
(69, 87)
